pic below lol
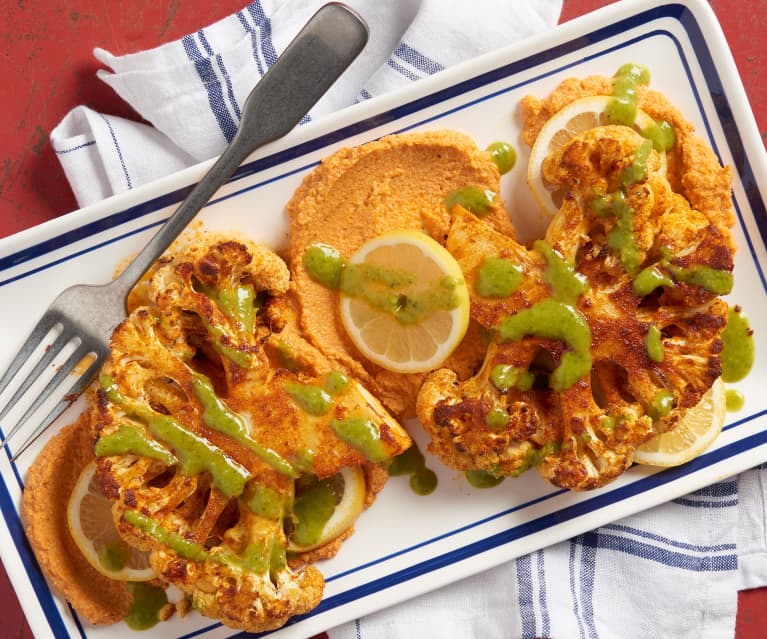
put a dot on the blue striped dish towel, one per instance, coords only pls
(190, 90)
(672, 571)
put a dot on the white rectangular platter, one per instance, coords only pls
(406, 545)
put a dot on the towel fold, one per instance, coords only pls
(191, 89)
(672, 571)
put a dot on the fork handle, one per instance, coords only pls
(307, 68)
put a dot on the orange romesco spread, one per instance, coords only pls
(398, 182)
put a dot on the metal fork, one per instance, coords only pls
(86, 315)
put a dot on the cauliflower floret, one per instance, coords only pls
(202, 431)
(693, 169)
(611, 334)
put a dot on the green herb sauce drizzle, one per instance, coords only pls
(498, 277)
(504, 155)
(654, 344)
(194, 453)
(566, 284)
(423, 480)
(553, 319)
(313, 509)
(147, 602)
(389, 290)
(218, 416)
(483, 478)
(738, 341)
(473, 198)
(128, 439)
(361, 433)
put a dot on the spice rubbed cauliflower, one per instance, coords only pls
(204, 424)
(611, 330)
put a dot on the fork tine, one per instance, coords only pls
(41, 329)
(74, 391)
(45, 361)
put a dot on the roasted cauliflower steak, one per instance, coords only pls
(203, 426)
(612, 333)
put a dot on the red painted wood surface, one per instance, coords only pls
(45, 53)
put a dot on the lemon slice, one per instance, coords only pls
(432, 295)
(350, 483)
(89, 515)
(577, 117)
(696, 431)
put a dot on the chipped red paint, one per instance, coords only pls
(48, 68)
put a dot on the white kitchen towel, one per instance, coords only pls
(190, 90)
(668, 572)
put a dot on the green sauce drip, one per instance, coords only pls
(311, 399)
(218, 416)
(553, 319)
(148, 601)
(361, 433)
(632, 73)
(267, 502)
(498, 277)
(390, 290)
(324, 265)
(734, 400)
(710, 279)
(497, 418)
(130, 440)
(621, 238)
(336, 382)
(622, 108)
(661, 404)
(738, 342)
(113, 556)
(472, 198)
(423, 483)
(566, 284)
(504, 155)
(534, 457)
(357, 278)
(313, 508)
(238, 303)
(423, 480)
(654, 344)
(637, 170)
(278, 559)
(184, 547)
(506, 376)
(661, 134)
(195, 454)
(649, 279)
(303, 460)
(221, 345)
(256, 557)
(286, 357)
(483, 478)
